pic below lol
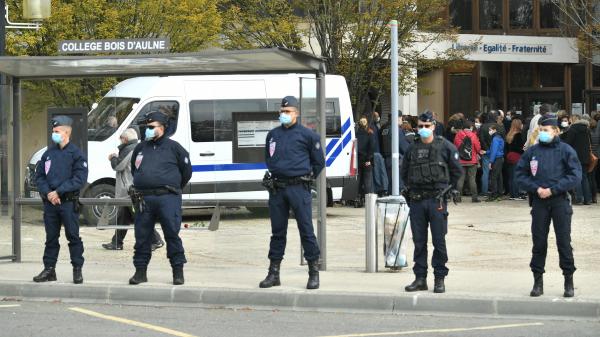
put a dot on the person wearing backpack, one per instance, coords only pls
(467, 143)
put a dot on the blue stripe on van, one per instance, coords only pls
(334, 143)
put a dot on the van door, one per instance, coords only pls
(212, 105)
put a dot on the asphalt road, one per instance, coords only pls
(24, 319)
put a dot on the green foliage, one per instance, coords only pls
(191, 25)
(251, 24)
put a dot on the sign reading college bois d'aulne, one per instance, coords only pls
(113, 46)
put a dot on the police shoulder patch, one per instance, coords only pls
(84, 164)
(318, 145)
(186, 160)
(456, 155)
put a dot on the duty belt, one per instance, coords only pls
(70, 196)
(423, 195)
(159, 191)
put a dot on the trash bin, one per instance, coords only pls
(392, 216)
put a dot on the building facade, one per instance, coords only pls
(517, 57)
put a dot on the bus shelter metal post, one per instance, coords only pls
(322, 179)
(16, 223)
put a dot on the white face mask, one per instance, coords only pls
(491, 132)
(478, 125)
(564, 124)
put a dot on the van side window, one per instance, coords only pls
(333, 126)
(170, 108)
(211, 120)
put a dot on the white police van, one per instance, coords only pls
(222, 120)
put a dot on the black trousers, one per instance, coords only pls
(558, 210)
(426, 214)
(496, 178)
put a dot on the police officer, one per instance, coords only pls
(293, 154)
(60, 174)
(161, 168)
(547, 171)
(429, 169)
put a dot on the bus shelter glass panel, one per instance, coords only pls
(6, 186)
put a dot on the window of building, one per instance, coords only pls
(595, 76)
(490, 14)
(461, 93)
(521, 14)
(521, 75)
(551, 74)
(577, 83)
(461, 14)
(549, 14)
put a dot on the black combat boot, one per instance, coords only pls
(77, 275)
(538, 285)
(438, 285)
(569, 288)
(178, 275)
(313, 275)
(272, 278)
(420, 283)
(139, 276)
(48, 274)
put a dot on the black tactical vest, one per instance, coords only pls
(428, 169)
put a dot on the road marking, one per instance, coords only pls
(9, 306)
(130, 322)
(416, 332)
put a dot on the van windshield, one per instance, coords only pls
(106, 118)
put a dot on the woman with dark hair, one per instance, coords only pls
(514, 146)
(365, 140)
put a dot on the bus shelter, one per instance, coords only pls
(213, 62)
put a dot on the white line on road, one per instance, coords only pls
(416, 332)
(9, 306)
(130, 322)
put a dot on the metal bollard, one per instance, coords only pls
(371, 232)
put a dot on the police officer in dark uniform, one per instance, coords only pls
(294, 156)
(547, 171)
(60, 174)
(430, 170)
(161, 168)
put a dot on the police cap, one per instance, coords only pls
(426, 116)
(61, 121)
(157, 116)
(548, 119)
(289, 101)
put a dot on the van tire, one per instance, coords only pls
(91, 214)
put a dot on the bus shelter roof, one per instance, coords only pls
(272, 60)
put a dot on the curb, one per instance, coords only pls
(298, 300)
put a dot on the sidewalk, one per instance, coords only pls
(488, 244)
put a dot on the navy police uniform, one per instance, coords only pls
(551, 165)
(161, 168)
(427, 170)
(293, 154)
(65, 171)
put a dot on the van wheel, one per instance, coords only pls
(259, 211)
(92, 214)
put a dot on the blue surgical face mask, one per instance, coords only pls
(425, 132)
(285, 118)
(150, 133)
(56, 137)
(545, 137)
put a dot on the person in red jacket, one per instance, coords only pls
(467, 143)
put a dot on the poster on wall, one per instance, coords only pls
(577, 109)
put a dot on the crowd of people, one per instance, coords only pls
(489, 144)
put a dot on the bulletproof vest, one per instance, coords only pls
(428, 169)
